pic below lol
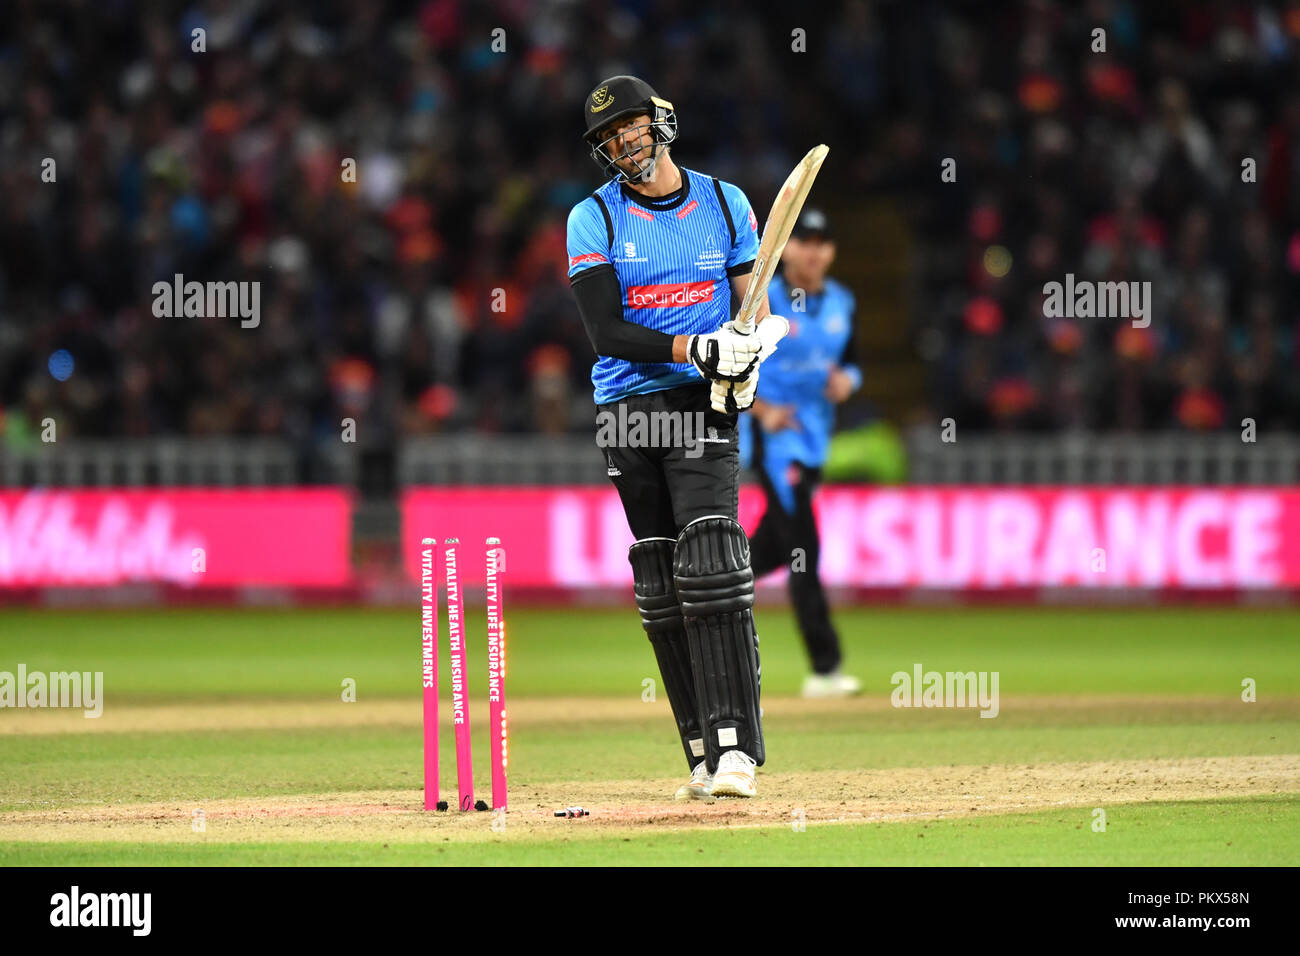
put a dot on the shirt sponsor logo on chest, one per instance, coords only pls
(668, 296)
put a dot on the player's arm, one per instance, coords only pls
(600, 297)
(773, 417)
(721, 356)
(600, 303)
(739, 285)
(846, 378)
(744, 250)
(740, 268)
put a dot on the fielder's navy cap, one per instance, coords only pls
(811, 223)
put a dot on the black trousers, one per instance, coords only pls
(773, 545)
(674, 460)
(685, 465)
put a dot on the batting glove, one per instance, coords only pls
(770, 332)
(732, 397)
(726, 355)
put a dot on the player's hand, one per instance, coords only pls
(770, 332)
(839, 386)
(726, 355)
(732, 397)
(772, 417)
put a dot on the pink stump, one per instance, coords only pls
(459, 678)
(496, 641)
(429, 639)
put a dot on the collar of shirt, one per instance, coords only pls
(660, 203)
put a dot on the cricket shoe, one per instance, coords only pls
(698, 787)
(833, 684)
(735, 776)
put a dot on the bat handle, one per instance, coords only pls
(745, 323)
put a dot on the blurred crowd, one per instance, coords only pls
(430, 294)
(1171, 158)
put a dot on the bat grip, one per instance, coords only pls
(745, 323)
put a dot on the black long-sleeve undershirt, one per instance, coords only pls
(600, 303)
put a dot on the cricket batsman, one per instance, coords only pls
(788, 433)
(655, 257)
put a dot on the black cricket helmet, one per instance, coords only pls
(620, 97)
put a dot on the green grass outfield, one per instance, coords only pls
(238, 712)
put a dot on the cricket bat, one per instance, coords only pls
(776, 232)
